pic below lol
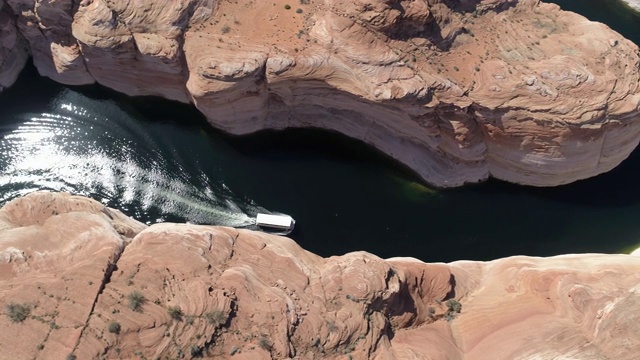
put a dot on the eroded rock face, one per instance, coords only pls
(218, 293)
(457, 90)
(46, 25)
(55, 250)
(13, 49)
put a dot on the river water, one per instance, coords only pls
(159, 161)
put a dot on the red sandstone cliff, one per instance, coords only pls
(457, 90)
(96, 284)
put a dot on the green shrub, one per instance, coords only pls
(175, 312)
(114, 327)
(287, 6)
(195, 351)
(454, 306)
(136, 300)
(315, 341)
(216, 317)
(331, 326)
(18, 313)
(265, 343)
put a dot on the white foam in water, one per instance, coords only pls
(634, 4)
(62, 152)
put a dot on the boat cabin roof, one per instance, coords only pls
(274, 220)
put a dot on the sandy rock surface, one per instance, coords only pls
(456, 90)
(100, 285)
(55, 250)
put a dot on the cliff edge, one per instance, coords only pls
(78, 279)
(456, 90)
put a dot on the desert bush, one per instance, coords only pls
(175, 312)
(453, 309)
(454, 306)
(216, 317)
(195, 351)
(265, 343)
(136, 300)
(18, 313)
(114, 327)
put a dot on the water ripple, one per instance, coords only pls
(94, 148)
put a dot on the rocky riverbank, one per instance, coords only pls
(457, 91)
(80, 279)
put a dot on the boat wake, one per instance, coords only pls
(633, 4)
(93, 148)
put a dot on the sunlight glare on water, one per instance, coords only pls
(111, 159)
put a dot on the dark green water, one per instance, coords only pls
(159, 161)
(615, 13)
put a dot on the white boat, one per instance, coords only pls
(285, 223)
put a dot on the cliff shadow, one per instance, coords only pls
(433, 30)
(619, 187)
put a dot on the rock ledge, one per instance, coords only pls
(456, 90)
(100, 285)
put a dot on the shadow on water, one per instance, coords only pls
(619, 187)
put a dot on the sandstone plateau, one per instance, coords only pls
(216, 292)
(456, 90)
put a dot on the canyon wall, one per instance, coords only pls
(13, 50)
(78, 279)
(456, 90)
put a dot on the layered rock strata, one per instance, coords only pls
(55, 254)
(456, 90)
(13, 49)
(100, 285)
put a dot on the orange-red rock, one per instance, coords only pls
(247, 295)
(457, 91)
(54, 252)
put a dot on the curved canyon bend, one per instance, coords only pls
(449, 92)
